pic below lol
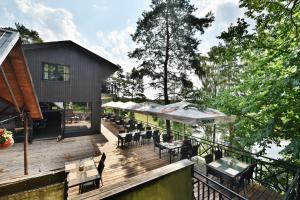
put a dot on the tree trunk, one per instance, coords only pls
(166, 97)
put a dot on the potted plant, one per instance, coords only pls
(6, 139)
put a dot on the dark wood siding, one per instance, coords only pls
(86, 76)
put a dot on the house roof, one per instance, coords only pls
(72, 44)
(16, 86)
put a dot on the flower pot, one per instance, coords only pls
(7, 144)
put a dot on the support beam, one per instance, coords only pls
(25, 122)
(10, 90)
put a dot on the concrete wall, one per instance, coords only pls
(51, 192)
(171, 182)
(175, 186)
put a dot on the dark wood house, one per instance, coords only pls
(67, 78)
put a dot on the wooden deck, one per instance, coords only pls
(47, 155)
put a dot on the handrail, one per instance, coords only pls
(234, 148)
(294, 189)
(276, 174)
(213, 188)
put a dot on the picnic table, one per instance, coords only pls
(171, 147)
(81, 171)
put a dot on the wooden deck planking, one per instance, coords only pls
(47, 155)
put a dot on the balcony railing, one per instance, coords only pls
(293, 192)
(275, 174)
(206, 188)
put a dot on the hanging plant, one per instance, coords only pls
(6, 139)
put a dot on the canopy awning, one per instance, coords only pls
(187, 113)
(16, 86)
(183, 112)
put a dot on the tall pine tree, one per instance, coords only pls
(167, 42)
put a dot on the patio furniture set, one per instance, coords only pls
(85, 173)
(229, 170)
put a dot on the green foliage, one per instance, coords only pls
(266, 79)
(167, 45)
(28, 36)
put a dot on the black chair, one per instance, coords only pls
(136, 137)
(218, 154)
(165, 137)
(128, 138)
(148, 135)
(155, 132)
(93, 184)
(122, 131)
(195, 149)
(250, 172)
(156, 143)
(208, 158)
(240, 182)
(103, 157)
(140, 127)
(184, 153)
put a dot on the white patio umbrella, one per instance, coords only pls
(130, 105)
(188, 113)
(147, 108)
(108, 104)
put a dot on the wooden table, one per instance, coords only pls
(171, 147)
(76, 177)
(121, 137)
(228, 167)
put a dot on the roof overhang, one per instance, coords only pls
(16, 85)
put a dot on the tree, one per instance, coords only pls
(27, 36)
(266, 99)
(167, 44)
(116, 83)
(134, 85)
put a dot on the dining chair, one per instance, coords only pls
(85, 187)
(165, 137)
(155, 132)
(148, 135)
(136, 137)
(128, 138)
(250, 172)
(218, 154)
(156, 143)
(208, 158)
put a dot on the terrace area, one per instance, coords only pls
(121, 165)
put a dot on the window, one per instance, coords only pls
(56, 72)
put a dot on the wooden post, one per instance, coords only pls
(25, 121)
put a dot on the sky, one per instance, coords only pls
(104, 26)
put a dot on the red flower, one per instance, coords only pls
(1, 131)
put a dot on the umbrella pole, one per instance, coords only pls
(183, 129)
(147, 120)
(214, 134)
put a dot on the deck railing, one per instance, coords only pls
(275, 174)
(293, 192)
(207, 188)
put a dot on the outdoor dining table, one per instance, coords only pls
(81, 171)
(171, 147)
(121, 136)
(228, 168)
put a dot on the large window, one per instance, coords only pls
(56, 72)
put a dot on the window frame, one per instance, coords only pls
(56, 72)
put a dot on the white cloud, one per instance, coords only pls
(116, 45)
(52, 23)
(8, 15)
